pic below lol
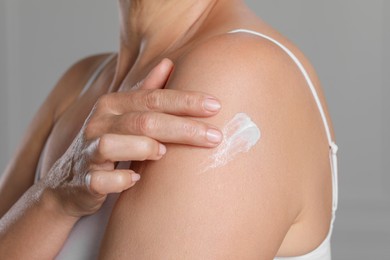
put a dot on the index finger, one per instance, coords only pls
(156, 78)
(169, 101)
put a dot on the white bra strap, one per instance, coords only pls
(96, 74)
(335, 185)
(332, 146)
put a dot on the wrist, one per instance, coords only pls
(50, 203)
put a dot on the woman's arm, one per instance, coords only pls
(79, 182)
(35, 227)
(32, 222)
(18, 177)
(244, 209)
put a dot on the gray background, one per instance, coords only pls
(346, 41)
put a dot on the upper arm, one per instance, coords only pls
(20, 172)
(182, 209)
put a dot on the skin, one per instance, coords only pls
(173, 212)
(272, 201)
(47, 211)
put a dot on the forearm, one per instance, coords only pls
(13, 184)
(35, 227)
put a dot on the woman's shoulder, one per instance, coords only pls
(245, 64)
(264, 69)
(73, 81)
(252, 75)
(80, 71)
(245, 52)
(255, 75)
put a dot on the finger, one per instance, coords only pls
(169, 101)
(105, 182)
(167, 129)
(118, 148)
(157, 77)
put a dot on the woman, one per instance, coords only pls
(264, 192)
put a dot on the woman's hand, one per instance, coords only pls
(128, 126)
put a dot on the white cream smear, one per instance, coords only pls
(239, 135)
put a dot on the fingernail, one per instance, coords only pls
(135, 177)
(212, 105)
(214, 136)
(162, 149)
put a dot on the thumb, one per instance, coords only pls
(158, 76)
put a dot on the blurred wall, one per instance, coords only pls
(42, 39)
(3, 89)
(347, 41)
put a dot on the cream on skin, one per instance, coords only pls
(239, 135)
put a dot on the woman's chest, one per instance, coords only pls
(62, 135)
(71, 121)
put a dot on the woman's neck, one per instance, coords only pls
(149, 28)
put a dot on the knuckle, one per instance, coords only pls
(103, 102)
(153, 99)
(97, 183)
(145, 123)
(191, 130)
(97, 125)
(191, 101)
(121, 179)
(147, 149)
(103, 145)
(90, 129)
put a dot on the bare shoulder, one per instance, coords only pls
(73, 81)
(250, 73)
(254, 75)
(236, 56)
(244, 206)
